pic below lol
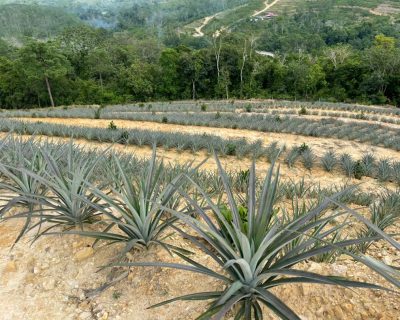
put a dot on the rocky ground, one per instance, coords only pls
(53, 278)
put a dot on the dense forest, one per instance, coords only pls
(302, 55)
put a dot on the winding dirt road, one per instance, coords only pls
(198, 32)
(267, 7)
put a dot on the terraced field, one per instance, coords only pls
(62, 170)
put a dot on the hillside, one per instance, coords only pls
(335, 14)
(19, 20)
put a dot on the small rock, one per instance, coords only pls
(11, 267)
(314, 267)
(85, 315)
(29, 278)
(338, 270)
(84, 254)
(348, 307)
(339, 312)
(388, 260)
(76, 244)
(306, 289)
(49, 284)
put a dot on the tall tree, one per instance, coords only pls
(43, 62)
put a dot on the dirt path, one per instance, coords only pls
(319, 145)
(199, 30)
(267, 7)
(198, 33)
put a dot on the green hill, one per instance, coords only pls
(19, 20)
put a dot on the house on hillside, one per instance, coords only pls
(265, 16)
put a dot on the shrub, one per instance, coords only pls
(303, 111)
(217, 115)
(112, 126)
(358, 170)
(248, 108)
(203, 107)
(230, 149)
(124, 138)
(164, 120)
(303, 148)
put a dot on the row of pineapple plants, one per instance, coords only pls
(373, 134)
(221, 106)
(385, 170)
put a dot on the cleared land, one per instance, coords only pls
(53, 278)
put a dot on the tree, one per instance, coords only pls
(78, 43)
(191, 66)
(383, 60)
(43, 62)
(337, 55)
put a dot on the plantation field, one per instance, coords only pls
(99, 228)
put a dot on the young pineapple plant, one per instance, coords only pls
(347, 164)
(137, 216)
(368, 163)
(384, 170)
(257, 249)
(329, 160)
(383, 214)
(396, 172)
(67, 203)
(20, 188)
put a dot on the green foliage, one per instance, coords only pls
(112, 126)
(228, 217)
(303, 111)
(249, 264)
(329, 161)
(384, 170)
(19, 21)
(164, 120)
(137, 205)
(116, 295)
(383, 213)
(203, 107)
(358, 170)
(303, 148)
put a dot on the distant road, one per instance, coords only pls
(267, 7)
(198, 32)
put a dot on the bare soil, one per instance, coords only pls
(49, 280)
